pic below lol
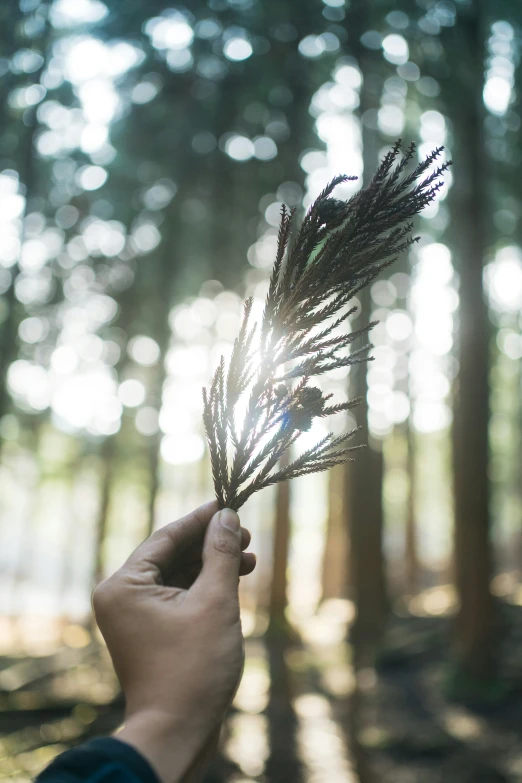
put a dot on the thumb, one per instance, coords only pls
(221, 554)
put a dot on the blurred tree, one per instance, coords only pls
(280, 550)
(474, 642)
(412, 566)
(283, 763)
(159, 297)
(101, 520)
(335, 573)
(11, 17)
(365, 474)
(110, 447)
(504, 151)
(32, 33)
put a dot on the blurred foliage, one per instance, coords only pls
(144, 156)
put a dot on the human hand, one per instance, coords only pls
(170, 617)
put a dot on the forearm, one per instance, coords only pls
(197, 772)
(177, 754)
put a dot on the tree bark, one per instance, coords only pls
(335, 559)
(108, 458)
(162, 336)
(473, 631)
(283, 764)
(281, 548)
(365, 474)
(28, 177)
(518, 544)
(153, 458)
(410, 539)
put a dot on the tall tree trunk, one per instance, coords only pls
(281, 548)
(406, 430)
(519, 468)
(283, 764)
(179, 239)
(162, 336)
(153, 459)
(365, 474)
(25, 555)
(108, 459)
(411, 557)
(67, 565)
(108, 451)
(298, 118)
(335, 558)
(473, 632)
(26, 166)
(365, 521)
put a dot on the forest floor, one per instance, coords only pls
(301, 715)
(409, 729)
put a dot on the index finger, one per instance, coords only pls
(154, 557)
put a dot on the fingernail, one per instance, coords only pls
(229, 519)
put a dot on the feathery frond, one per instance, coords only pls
(339, 249)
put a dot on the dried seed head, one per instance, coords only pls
(301, 419)
(310, 395)
(280, 391)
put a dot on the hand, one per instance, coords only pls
(170, 617)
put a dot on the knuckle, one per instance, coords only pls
(166, 535)
(157, 535)
(103, 595)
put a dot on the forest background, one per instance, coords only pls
(145, 153)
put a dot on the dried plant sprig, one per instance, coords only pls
(339, 249)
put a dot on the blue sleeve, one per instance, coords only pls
(104, 760)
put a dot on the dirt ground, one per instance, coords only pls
(302, 713)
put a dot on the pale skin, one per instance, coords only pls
(170, 618)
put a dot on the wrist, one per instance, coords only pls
(164, 741)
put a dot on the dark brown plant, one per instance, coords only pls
(339, 249)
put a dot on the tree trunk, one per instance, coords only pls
(406, 431)
(473, 632)
(27, 549)
(283, 764)
(335, 558)
(365, 521)
(67, 565)
(108, 457)
(300, 126)
(27, 175)
(410, 543)
(179, 239)
(281, 547)
(365, 474)
(153, 458)
(519, 470)
(154, 441)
